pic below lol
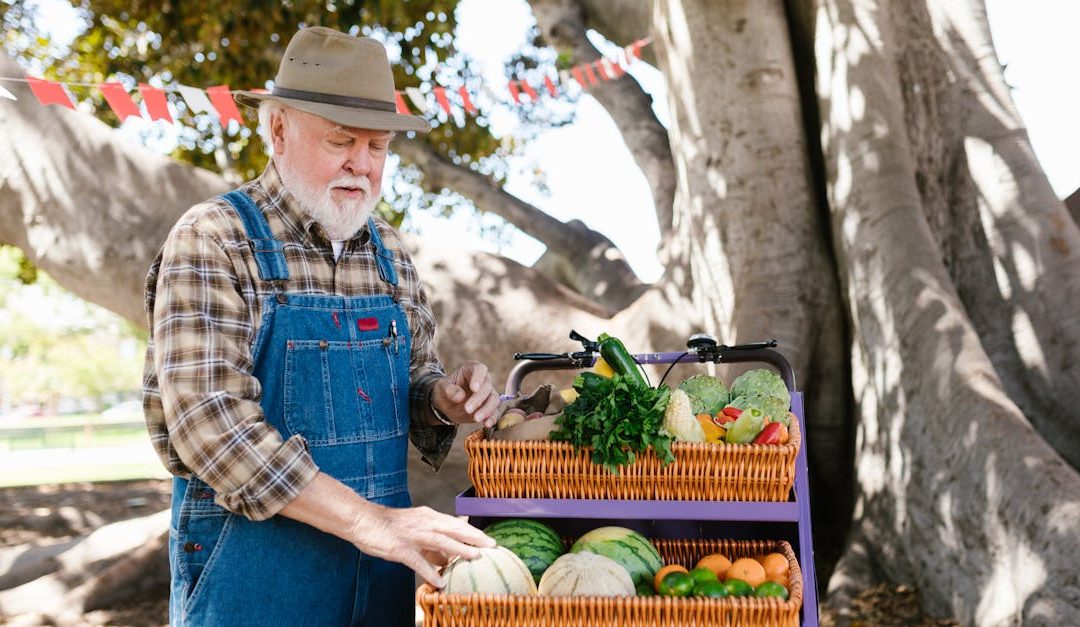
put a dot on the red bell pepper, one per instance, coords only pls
(732, 411)
(770, 434)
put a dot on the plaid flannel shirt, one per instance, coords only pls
(203, 299)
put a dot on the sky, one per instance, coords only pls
(591, 176)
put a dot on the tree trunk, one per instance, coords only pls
(956, 492)
(753, 256)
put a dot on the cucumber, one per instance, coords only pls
(620, 360)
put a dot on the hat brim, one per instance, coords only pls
(346, 116)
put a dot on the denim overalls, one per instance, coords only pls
(336, 371)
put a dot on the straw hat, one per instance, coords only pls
(339, 77)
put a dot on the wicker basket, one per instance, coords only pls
(490, 610)
(700, 472)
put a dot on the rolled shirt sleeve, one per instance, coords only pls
(203, 333)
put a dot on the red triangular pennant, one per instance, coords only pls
(587, 68)
(527, 88)
(576, 71)
(222, 99)
(156, 104)
(402, 108)
(514, 91)
(119, 100)
(616, 69)
(551, 87)
(440, 97)
(466, 101)
(49, 92)
(600, 69)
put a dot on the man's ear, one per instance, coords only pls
(277, 131)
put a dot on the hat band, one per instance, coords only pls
(334, 99)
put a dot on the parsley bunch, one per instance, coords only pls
(616, 417)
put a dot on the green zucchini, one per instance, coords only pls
(620, 360)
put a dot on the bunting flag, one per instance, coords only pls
(402, 108)
(222, 99)
(218, 100)
(417, 98)
(587, 68)
(196, 100)
(440, 97)
(156, 103)
(550, 86)
(527, 88)
(576, 71)
(119, 100)
(50, 92)
(601, 70)
(466, 102)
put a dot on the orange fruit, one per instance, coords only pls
(716, 563)
(775, 566)
(748, 569)
(665, 571)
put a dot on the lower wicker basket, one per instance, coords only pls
(700, 472)
(491, 610)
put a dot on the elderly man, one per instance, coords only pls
(291, 357)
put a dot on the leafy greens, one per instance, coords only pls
(616, 417)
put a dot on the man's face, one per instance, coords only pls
(334, 171)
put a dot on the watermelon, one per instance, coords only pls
(496, 571)
(629, 548)
(535, 543)
(586, 575)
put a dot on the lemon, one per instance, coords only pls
(602, 368)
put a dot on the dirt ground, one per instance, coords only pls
(69, 510)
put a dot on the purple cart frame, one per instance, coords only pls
(789, 521)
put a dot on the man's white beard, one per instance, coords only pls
(340, 220)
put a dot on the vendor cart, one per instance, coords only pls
(688, 517)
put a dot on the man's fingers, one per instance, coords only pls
(427, 572)
(486, 413)
(480, 396)
(478, 376)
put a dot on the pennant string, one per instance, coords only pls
(218, 100)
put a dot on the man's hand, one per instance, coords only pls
(467, 395)
(418, 537)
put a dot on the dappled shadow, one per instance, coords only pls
(958, 494)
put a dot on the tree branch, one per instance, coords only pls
(564, 24)
(578, 256)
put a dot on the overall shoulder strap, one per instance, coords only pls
(383, 255)
(269, 253)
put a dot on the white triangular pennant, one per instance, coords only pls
(196, 100)
(4, 93)
(417, 98)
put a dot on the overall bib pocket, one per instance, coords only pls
(346, 409)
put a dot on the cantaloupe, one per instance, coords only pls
(586, 574)
(496, 571)
(628, 548)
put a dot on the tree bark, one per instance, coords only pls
(750, 239)
(957, 492)
(1019, 285)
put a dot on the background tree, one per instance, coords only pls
(849, 176)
